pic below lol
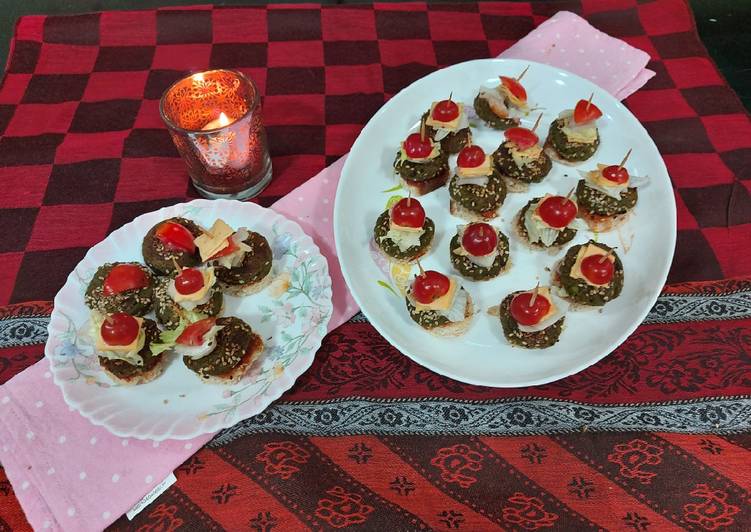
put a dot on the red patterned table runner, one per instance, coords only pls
(366, 436)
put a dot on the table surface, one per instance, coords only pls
(722, 26)
(685, 369)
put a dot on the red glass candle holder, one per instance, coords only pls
(214, 118)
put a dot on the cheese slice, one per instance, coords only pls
(403, 228)
(524, 157)
(584, 252)
(557, 310)
(583, 133)
(214, 240)
(199, 297)
(453, 125)
(596, 177)
(101, 345)
(544, 292)
(433, 154)
(442, 303)
(484, 169)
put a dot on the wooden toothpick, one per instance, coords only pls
(605, 257)
(570, 193)
(590, 100)
(522, 74)
(534, 294)
(422, 271)
(625, 159)
(537, 123)
(422, 130)
(409, 198)
(178, 269)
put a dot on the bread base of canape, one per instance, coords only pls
(420, 188)
(242, 290)
(456, 328)
(553, 154)
(141, 378)
(514, 185)
(603, 224)
(464, 213)
(405, 261)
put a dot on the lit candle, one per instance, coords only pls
(217, 122)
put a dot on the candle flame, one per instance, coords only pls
(223, 120)
(198, 77)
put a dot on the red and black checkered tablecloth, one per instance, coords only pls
(367, 438)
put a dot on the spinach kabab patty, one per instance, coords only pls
(578, 290)
(595, 202)
(483, 110)
(169, 313)
(530, 340)
(470, 270)
(451, 143)
(476, 198)
(162, 259)
(136, 301)
(533, 172)
(256, 264)
(235, 343)
(566, 149)
(127, 371)
(390, 248)
(421, 171)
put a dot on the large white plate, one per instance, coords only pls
(483, 356)
(177, 405)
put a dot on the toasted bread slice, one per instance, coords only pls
(420, 188)
(464, 213)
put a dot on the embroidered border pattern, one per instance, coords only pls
(499, 417)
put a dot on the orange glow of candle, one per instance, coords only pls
(218, 122)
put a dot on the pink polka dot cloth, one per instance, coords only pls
(569, 42)
(69, 474)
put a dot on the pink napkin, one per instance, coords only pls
(69, 474)
(569, 42)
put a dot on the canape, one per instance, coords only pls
(170, 245)
(438, 304)
(532, 319)
(501, 106)
(479, 251)
(477, 190)
(404, 233)
(120, 287)
(421, 165)
(241, 259)
(520, 159)
(219, 350)
(192, 291)
(573, 137)
(446, 122)
(607, 196)
(546, 222)
(123, 346)
(590, 274)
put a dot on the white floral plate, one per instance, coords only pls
(483, 356)
(177, 405)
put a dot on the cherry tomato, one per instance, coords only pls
(119, 329)
(227, 250)
(615, 173)
(416, 147)
(189, 281)
(586, 112)
(526, 313)
(175, 236)
(597, 269)
(430, 286)
(407, 212)
(557, 211)
(124, 277)
(193, 333)
(515, 88)
(522, 137)
(471, 157)
(445, 111)
(480, 239)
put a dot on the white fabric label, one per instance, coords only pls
(150, 496)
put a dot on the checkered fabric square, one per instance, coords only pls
(83, 151)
